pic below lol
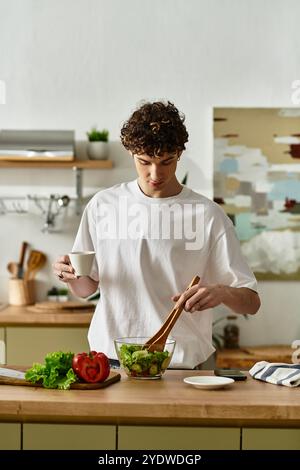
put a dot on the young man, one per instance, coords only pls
(151, 237)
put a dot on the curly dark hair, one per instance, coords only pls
(155, 128)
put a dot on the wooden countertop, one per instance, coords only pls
(168, 401)
(19, 316)
(246, 357)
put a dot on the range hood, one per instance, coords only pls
(38, 145)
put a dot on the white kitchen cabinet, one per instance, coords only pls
(175, 437)
(25, 345)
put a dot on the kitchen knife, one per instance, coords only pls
(14, 374)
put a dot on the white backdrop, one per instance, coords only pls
(72, 64)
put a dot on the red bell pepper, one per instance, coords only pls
(93, 367)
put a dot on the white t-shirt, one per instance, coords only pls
(149, 249)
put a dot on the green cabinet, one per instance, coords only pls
(270, 439)
(10, 436)
(68, 437)
(25, 345)
(167, 437)
(35, 436)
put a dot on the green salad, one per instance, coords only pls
(139, 362)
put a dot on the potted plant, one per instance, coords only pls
(97, 147)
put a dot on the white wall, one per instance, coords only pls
(70, 64)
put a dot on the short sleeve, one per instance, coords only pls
(86, 238)
(227, 265)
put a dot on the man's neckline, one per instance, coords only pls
(158, 199)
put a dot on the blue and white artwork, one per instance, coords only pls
(257, 182)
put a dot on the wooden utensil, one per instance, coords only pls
(21, 260)
(13, 269)
(158, 341)
(35, 262)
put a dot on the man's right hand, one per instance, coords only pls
(63, 269)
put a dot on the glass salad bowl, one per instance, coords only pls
(138, 362)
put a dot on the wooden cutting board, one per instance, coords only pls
(246, 357)
(62, 307)
(111, 379)
(69, 304)
(34, 309)
(270, 352)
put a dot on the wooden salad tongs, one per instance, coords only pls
(158, 341)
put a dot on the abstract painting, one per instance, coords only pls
(257, 182)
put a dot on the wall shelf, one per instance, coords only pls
(80, 164)
(76, 165)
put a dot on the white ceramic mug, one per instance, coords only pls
(82, 262)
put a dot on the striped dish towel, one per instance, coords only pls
(277, 373)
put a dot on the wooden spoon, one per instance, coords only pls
(158, 341)
(13, 268)
(35, 262)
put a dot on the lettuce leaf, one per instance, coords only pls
(56, 372)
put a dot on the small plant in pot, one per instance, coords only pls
(97, 147)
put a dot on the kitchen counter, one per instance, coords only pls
(19, 316)
(168, 401)
(40, 333)
(152, 414)
(246, 357)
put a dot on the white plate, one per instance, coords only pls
(209, 382)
